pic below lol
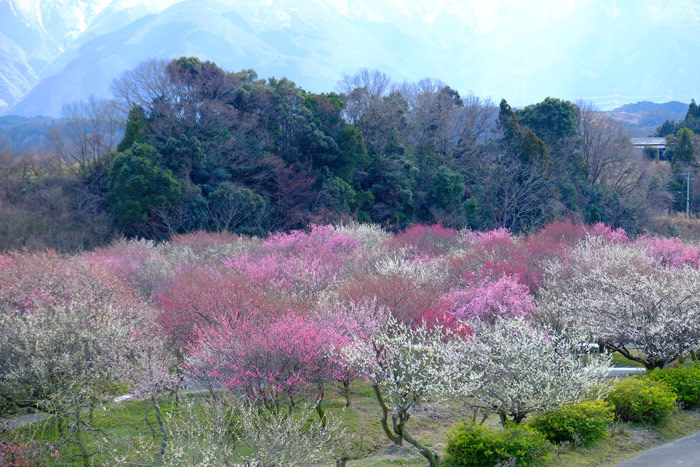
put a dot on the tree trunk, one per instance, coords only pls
(433, 458)
(346, 390)
(78, 435)
(385, 415)
(161, 425)
(148, 422)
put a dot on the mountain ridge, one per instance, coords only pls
(71, 49)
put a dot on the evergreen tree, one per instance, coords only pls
(509, 125)
(552, 120)
(136, 121)
(684, 153)
(532, 149)
(693, 111)
(136, 186)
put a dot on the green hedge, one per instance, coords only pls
(684, 380)
(475, 445)
(642, 400)
(586, 422)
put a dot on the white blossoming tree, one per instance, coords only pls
(227, 430)
(408, 365)
(627, 300)
(64, 358)
(520, 369)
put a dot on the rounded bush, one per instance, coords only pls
(684, 380)
(642, 400)
(583, 423)
(475, 445)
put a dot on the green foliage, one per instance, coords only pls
(137, 186)
(684, 153)
(182, 154)
(390, 155)
(586, 422)
(668, 128)
(521, 141)
(185, 66)
(684, 380)
(552, 119)
(475, 445)
(135, 123)
(651, 152)
(470, 212)
(642, 400)
(691, 122)
(508, 122)
(337, 195)
(693, 110)
(533, 149)
(447, 188)
(677, 187)
(593, 214)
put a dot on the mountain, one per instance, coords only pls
(300, 45)
(672, 108)
(32, 34)
(642, 118)
(16, 75)
(610, 53)
(35, 34)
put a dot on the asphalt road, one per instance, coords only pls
(682, 452)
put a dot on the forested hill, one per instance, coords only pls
(205, 148)
(22, 134)
(642, 118)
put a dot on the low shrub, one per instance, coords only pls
(642, 400)
(583, 423)
(475, 445)
(684, 380)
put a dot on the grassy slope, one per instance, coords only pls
(429, 424)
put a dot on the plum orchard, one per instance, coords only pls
(643, 298)
(271, 325)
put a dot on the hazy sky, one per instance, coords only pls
(608, 51)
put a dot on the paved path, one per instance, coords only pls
(16, 422)
(681, 452)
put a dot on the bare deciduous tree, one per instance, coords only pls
(520, 195)
(88, 130)
(143, 85)
(605, 147)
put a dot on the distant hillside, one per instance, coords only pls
(642, 118)
(646, 106)
(22, 134)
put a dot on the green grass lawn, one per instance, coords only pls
(620, 361)
(125, 424)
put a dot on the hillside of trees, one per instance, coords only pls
(642, 118)
(186, 146)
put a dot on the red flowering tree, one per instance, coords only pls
(277, 361)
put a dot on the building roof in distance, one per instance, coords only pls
(649, 142)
